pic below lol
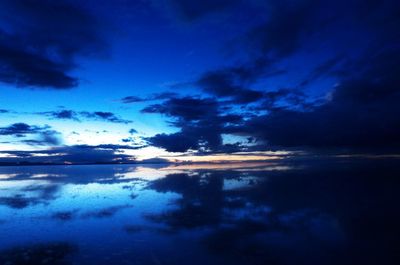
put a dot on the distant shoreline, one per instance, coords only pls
(338, 158)
(74, 164)
(135, 163)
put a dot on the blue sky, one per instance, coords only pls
(197, 78)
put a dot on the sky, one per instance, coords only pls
(120, 81)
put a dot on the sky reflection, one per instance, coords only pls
(321, 213)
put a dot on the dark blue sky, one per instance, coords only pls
(106, 80)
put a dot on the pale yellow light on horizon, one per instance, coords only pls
(154, 152)
(220, 158)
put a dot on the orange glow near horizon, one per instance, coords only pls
(235, 157)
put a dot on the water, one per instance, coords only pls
(342, 212)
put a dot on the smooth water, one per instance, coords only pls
(305, 213)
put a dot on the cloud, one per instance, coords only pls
(76, 154)
(288, 22)
(185, 108)
(78, 116)
(46, 138)
(104, 116)
(190, 10)
(190, 137)
(63, 114)
(22, 129)
(200, 121)
(232, 83)
(44, 134)
(23, 69)
(132, 99)
(106, 212)
(362, 113)
(17, 201)
(64, 215)
(175, 142)
(132, 131)
(329, 67)
(156, 96)
(281, 33)
(39, 43)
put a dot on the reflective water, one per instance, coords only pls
(311, 213)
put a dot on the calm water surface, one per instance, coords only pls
(305, 213)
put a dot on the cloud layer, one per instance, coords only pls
(39, 43)
(360, 112)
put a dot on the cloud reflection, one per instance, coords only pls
(325, 212)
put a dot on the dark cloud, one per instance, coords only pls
(4, 111)
(202, 122)
(229, 83)
(199, 120)
(88, 115)
(17, 201)
(46, 138)
(21, 129)
(329, 67)
(64, 215)
(112, 146)
(190, 10)
(288, 22)
(175, 142)
(155, 160)
(77, 154)
(284, 98)
(132, 131)
(131, 99)
(130, 139)
(186, 108)
(106, 212)
(280, 36)
(44, 135)
(286, 26)
(63, 114)
(189, 138)
(103, 116)
(39, 43)
(156, 96)
(133, 229)
(23, 69)
(234, 83)
(362, 112)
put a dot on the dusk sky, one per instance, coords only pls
(107, 81)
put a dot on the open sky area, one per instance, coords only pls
(212, 80)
